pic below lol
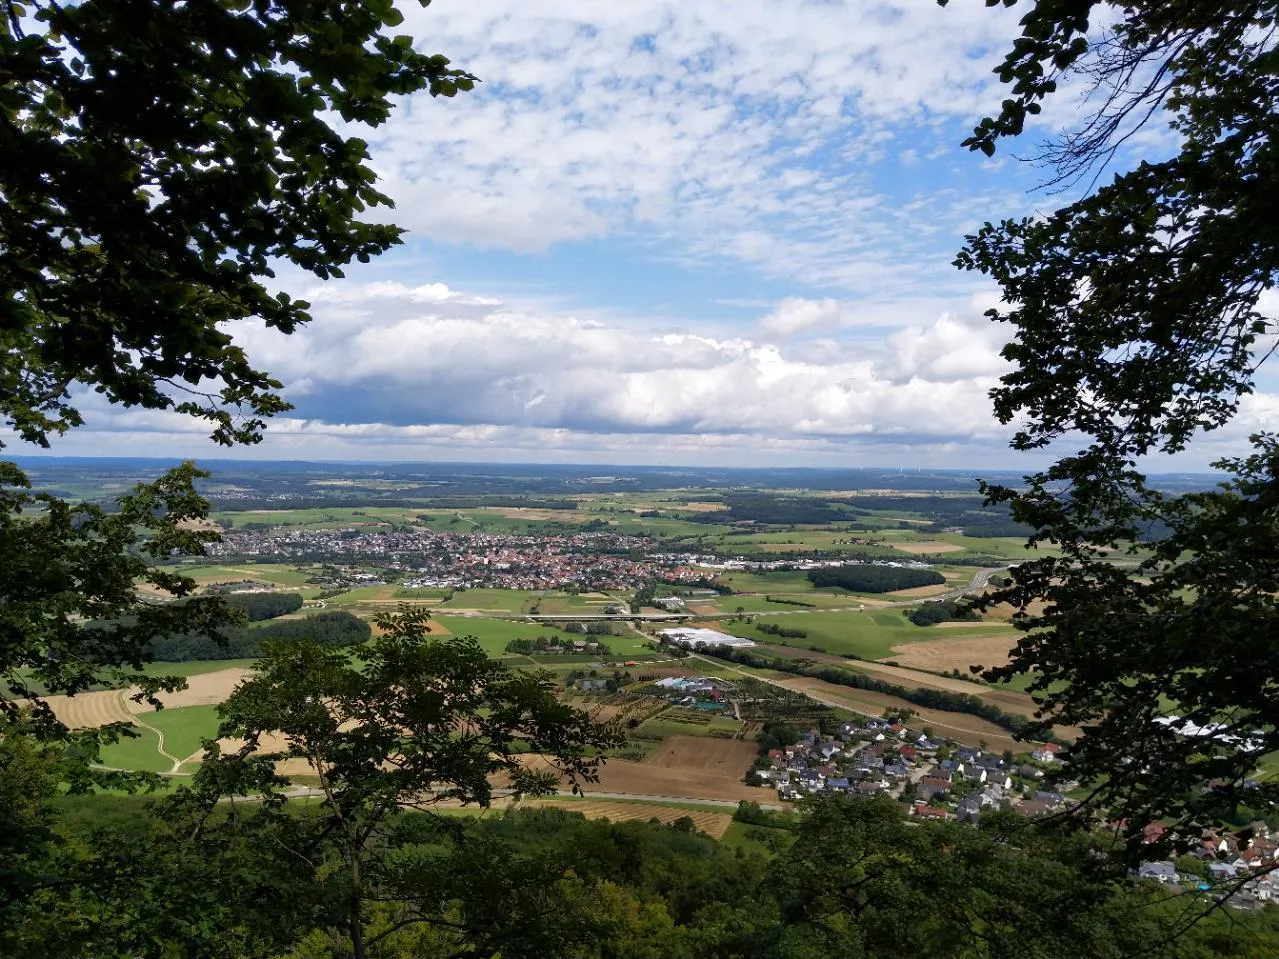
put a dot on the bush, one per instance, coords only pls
(941, 612)
(772, 629)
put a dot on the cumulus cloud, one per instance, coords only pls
(745, 131)
(383, 354)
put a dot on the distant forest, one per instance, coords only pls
(261, 606)
(874, 579)
(336, 628)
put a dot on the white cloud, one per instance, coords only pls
(740, 130)
(797, 315)
(383, 355)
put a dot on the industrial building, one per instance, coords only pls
(689, 636)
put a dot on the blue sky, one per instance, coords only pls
(711, 232)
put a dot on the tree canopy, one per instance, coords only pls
(161, 161)
(1136, 327)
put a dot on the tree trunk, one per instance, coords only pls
(355, 912)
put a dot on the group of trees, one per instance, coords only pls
(946, 610)
(331, 628)
(852, 878)
(774, 629)
(874, 578)
(259, 606)
(596, 627)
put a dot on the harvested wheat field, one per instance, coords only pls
(956, 652)
(646, 779)
(206, 689)
(921, 591)
(90, 710)
(712, 823)
(1005, 611)
(928, 546)
(705, 754)
(914, 678)
(961, 727)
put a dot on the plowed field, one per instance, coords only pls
(646, 779)
(705, 754)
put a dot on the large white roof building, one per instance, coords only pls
(692, 635)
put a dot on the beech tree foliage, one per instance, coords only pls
(160, 160)
(1137, 326)
(407, 722)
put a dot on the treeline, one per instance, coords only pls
(261, 606)
(336, 628)
(597, 627)
(947, 610)
(789, 602)
(772, 629)
(928, 698)
(874, 579)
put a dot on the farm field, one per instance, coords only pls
(494, 634)
(927, 547)
(203, 689)
(285, 577)
(706, 754)
(958, 649)
(317, 518)
(871, 634)
(963, 728)
(714, 824)
(1005, 697)
(503, 600)
(647, 779)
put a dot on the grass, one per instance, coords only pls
(494, 634)
(275, 574)
(506, 600)
(866, 635)
(141, 753)
(757, 840)
(184, 729)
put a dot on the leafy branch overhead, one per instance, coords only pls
(156, 177)
(1136, 326)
